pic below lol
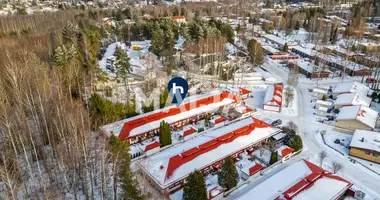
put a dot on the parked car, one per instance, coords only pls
(277, 122)
(337, 141)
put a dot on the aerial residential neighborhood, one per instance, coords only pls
(190, 100)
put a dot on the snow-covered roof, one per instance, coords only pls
(340, 61)
(321, 91)
(279, 136)
(217, 119)
(324, 188)
(323, 103)
(188, 130)
(175, 163)
(252, 168)
(300, 180)
(284, 150)
(306, 65)
(351, 87)
(270, 49)
(353, 99)
(273, 95)
(190, 107)
(278, 40)
(368, 140)
(363, 114)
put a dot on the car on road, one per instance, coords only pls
(277, 122)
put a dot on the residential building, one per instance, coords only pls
(252, 169)
(366, 145)
(350, 87)
(356, 117)
(169, 168)
(144, 126)
(300, 180)
(352, 99)
(273, 98)
(179, 19)
(310, 70)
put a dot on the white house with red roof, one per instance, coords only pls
(141, 127)
(299, 181)
(285, 152)
(151, 147)
(350, 87)
(352, 99)
(251, 170)
(217, 121)
(169, 168)
(188, 132)
(273, 98)
(244, 93)
(356, 117)
(179, 19)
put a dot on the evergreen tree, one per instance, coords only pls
(183, 11)
(273, 157)
(123, 67)
(122, 160)
(228, 175)
(68, 34)
(157, 43)
(255, 53)
(164, 98)
(175, 11)
(195, 187)
(165, 134)
(286, 48)
(324, 97)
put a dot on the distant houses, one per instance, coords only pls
(366, 145)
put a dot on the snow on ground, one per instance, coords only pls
(344, 139)
(292, 109)
(265, 157)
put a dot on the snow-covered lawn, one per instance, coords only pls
(292, 109)
(344, 139)
(265, 157)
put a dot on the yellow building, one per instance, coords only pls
(366, 145)
(356, 117)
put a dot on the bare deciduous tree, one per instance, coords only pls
(336, 167)
(289, 95)
(322, 156)
(271, 145)
(292, 126)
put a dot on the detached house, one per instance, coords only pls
(356, 117)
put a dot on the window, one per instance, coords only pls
(367, 152)
(375, 155)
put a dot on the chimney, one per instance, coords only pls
(362, 139)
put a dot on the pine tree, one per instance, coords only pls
(228, 175)
(157, 41)
(195, 187)
(255, 53)
(123, 67)
(273, 157)
(68, 33)
(165, 134)
(286, 48)
(122, 160)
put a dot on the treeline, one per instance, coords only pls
(49, 148)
